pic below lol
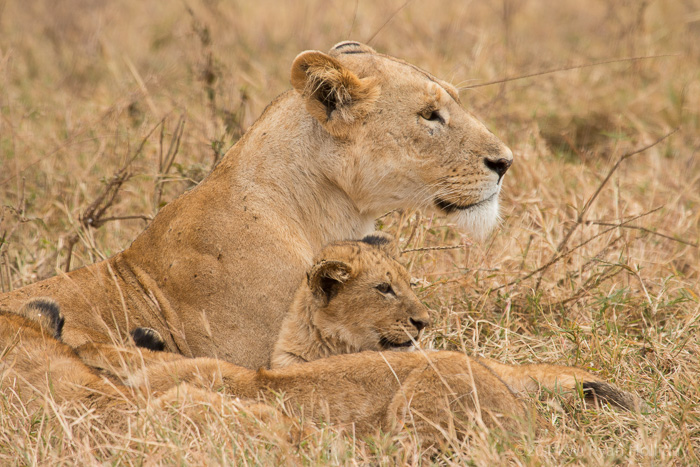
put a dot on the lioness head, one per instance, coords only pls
(356, 297)
(408, 140)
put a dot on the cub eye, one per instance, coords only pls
(431, 115)
(385, 288)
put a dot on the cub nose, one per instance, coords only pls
(499, 165)
(419, 323)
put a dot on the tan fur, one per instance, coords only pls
(431, 393)
(217, 268)
(359, 316)
(437, 394)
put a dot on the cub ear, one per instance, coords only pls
(334, 95)
(384, 242)
(350, 47)
(46, 312)
(326, 277)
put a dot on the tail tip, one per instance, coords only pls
(606, 392)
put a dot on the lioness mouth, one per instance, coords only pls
(449, 207)
(387, 344)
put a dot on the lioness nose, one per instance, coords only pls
(499, 165)
(419, 323)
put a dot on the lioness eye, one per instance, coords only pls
(385, 288)
(431, 115)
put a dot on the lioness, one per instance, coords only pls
(361, 133)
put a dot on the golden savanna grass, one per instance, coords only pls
(602, 273)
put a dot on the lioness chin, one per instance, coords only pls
(360, 134)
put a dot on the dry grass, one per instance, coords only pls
(83, 83)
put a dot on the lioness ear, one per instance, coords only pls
(383, 241)
(326, 277)
(334, 95)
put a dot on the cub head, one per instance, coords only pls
(403, 138)
(360, 298)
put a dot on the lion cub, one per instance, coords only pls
(356, 297)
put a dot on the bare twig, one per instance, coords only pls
(589, 203)
(354, 18)
(387, 213)
(93, 216)
(567, 68)
(592, 282)
(566, 253)
(165, 164)
(414, 229)
(125, 218)
(622, 158)
(649, 231)
(396, 12)
(433, 248)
